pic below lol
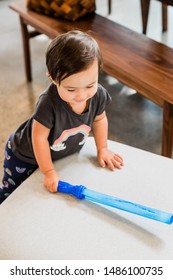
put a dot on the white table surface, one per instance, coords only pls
(36, 224)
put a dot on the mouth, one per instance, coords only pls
(79, 101)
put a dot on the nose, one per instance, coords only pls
(80, 95)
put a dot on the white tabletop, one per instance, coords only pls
(36, 224)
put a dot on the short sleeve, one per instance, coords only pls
(44, 112)
(103, 99)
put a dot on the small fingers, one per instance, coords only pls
(111, 164)
(115, 161)
(119, 159)
(51, 186)
(54, 186)
(102, 163)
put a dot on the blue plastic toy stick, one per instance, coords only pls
(82, 192)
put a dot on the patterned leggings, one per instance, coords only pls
(15, 172)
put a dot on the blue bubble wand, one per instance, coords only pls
(81, 192)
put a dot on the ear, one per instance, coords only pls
(49, 76)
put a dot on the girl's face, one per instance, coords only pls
(78, 88)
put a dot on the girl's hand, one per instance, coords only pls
(109, 158)
(51, 179)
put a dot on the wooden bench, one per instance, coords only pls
(137, 61)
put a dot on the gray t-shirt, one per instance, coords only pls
(68, 130)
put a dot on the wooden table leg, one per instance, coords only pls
(167, 133)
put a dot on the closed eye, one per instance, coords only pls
(71, 90)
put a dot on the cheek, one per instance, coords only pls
(64, 95)
(93, 90)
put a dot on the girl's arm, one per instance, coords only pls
(104, 155)
(42, 153)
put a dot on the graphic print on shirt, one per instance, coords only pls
(59, 144)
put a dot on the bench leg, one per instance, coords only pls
(145, 5)
(26, 49)
(26, 36)
(164, 17)
(167, 133)
(109, 6)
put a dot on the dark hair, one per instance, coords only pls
(70, 53)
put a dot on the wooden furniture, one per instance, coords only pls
(109, 6)
(145, 5)
(137, 61)
(39, 225)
